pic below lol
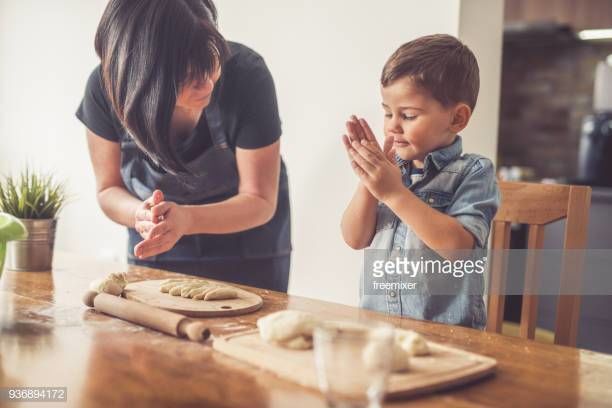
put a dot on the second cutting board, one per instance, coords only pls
(446, 366)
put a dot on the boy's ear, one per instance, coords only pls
(461, 117)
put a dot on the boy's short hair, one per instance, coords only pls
(439, 63)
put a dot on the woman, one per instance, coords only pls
(183, 133)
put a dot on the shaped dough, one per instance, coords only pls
(188, 288)
(200, 295)
(176, 290)
(169, 284)
(197, 289)
(221, 293)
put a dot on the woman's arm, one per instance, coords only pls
(255, 203)
(115, 201)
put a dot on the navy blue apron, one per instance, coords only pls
(257, 257)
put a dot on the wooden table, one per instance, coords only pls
(48, 338)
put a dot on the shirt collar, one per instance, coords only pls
(440, 157)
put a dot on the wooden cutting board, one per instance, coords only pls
(148, 292)
(446, 366)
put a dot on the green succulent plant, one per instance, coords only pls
(32, 195)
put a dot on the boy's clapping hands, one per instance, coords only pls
(375, 166)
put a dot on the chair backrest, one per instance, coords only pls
(538, 205)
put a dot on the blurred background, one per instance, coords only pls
(555, 126)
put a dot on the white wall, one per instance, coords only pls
(480, 27)
(46, 55)
(326, 58)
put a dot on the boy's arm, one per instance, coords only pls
(437, 230)
(359, 219)
(467, 221)
(441, 232)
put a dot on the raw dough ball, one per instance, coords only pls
(286, 327)
(298, 343)
(406, 344)
(412, 342)
(113, 284)
(376, 356)
(379, 355)
(401, 358)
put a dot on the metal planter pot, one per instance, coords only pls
(35, 253)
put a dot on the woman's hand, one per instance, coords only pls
(170, 223)
(375, 166)
(144, 221)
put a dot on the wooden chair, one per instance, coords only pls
(538, 205)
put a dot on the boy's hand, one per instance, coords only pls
(375, 167)
(358, 130)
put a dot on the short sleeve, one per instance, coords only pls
(476, 200)
(259, 123)
(95, 111)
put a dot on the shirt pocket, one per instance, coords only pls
(440, 200)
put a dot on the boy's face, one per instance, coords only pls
(416, 121)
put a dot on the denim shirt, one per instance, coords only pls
(462, 186)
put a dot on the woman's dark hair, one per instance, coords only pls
(148, 50)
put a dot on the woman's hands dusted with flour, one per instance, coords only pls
(375, 166)
(160, 223)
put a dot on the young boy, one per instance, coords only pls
(419, 191)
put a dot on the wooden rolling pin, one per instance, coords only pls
(162, 320)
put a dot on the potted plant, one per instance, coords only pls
(35, 199)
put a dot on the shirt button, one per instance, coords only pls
(392, 293)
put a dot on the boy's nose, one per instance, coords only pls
(395, 126)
